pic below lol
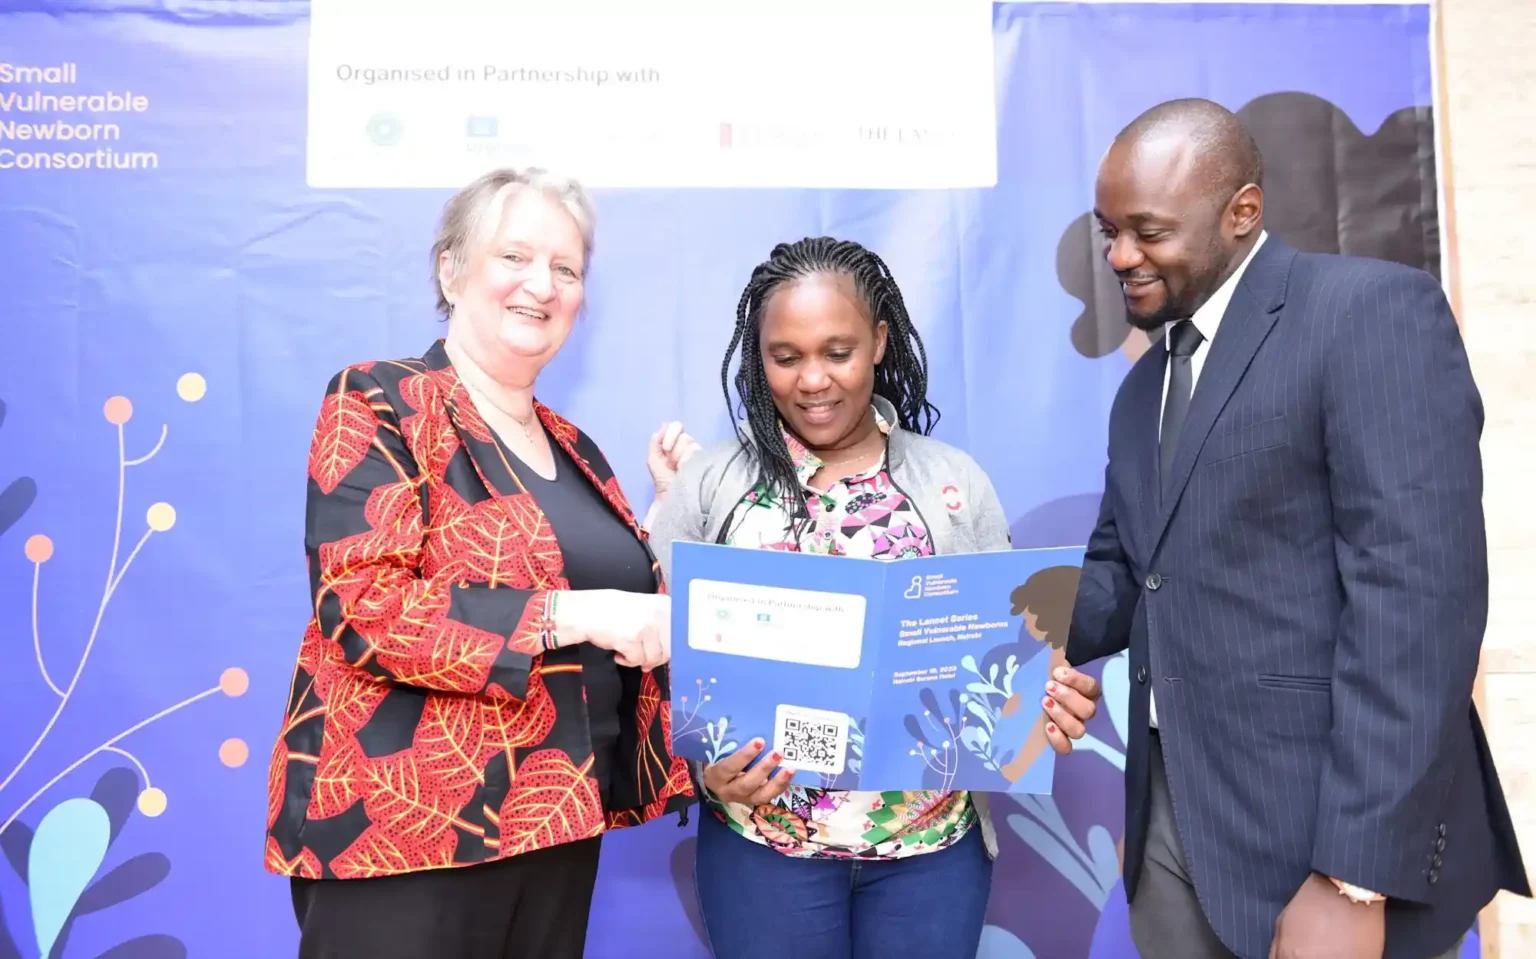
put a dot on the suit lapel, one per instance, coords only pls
(1144, 409)
(1250, 316)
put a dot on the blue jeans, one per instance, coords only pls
(757, 902)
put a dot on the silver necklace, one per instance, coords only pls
(527, 425)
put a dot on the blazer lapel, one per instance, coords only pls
(1144, 410)
(474, 433)
(1251, 315)
(490, 462)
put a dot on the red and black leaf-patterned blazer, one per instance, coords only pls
(425, 726)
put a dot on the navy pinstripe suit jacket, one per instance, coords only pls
(1308, 600)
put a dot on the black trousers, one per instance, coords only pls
(532, 906)
(1167, 920)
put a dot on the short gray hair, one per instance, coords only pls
(475, 211)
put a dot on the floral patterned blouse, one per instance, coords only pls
(863, 516)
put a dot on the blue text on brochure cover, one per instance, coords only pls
(911, 674)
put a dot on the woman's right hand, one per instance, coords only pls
(729, 780)
(636, 627)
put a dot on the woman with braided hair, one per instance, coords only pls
(834, 457)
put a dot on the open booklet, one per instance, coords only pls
(910, 674)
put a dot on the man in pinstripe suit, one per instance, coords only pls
(1291, 546)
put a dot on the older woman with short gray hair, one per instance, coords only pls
(482, 690)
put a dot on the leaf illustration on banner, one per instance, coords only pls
(717, 735)
(1105, 857)
(682, 883)
(1115, 685)
(17, 842)
(131, 878)
(999, 943)
(343, 433)
(147, 947)
(1053, 851)
(551, 801)
(855, 745)
(1094, 872)
(8, 948)
(67, 849)
(117, 791)
(18, 497)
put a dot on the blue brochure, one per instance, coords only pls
(881, 675)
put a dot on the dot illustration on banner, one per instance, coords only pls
(39, 548)
(234, 681)
(161, 517)
(118, 410)
(191, 387)
(234, 752)
(152, 801)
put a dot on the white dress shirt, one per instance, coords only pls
(1206, 320)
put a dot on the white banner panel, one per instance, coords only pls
(712, 93)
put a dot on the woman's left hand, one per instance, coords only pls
(669, 448)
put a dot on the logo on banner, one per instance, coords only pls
(952, 498)
(481, 127)
(385, 129)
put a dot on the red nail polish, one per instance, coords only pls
(775, 756)
(1050, 704)
(1051, 687)
(1050, 727)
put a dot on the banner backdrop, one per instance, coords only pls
(174, 298)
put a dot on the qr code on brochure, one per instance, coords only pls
(815, 740)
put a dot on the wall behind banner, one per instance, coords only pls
(171, 327)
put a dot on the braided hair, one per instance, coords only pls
(900, 377)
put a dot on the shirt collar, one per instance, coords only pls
(1208, 317)
(807, 463)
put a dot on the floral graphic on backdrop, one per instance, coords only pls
(61, 859)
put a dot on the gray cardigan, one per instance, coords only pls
(950, 490)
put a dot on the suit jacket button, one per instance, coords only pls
(1141, 674)
(1154, 582)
